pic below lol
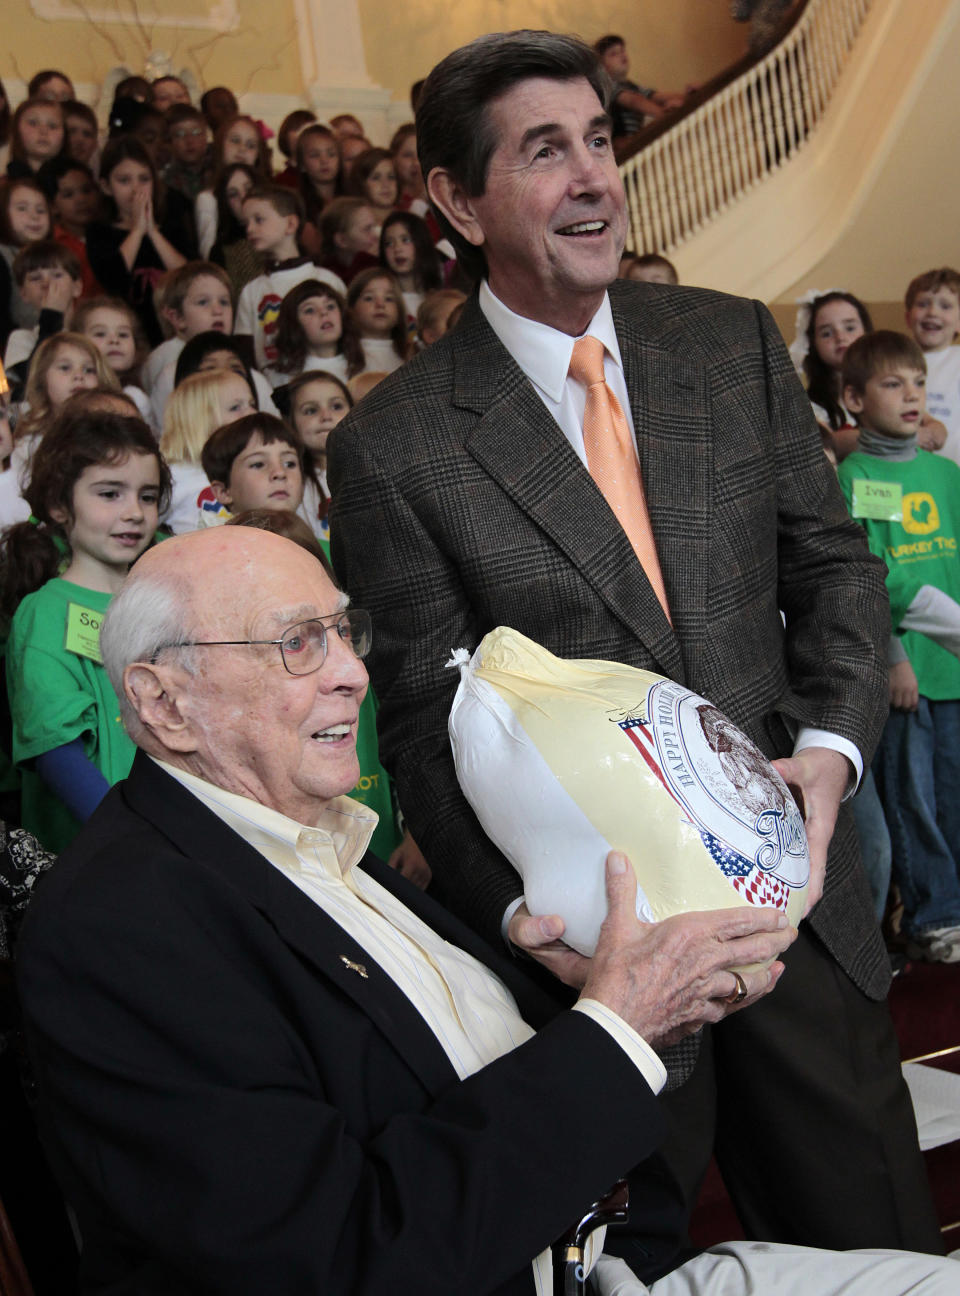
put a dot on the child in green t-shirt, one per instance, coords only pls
(908, 502)
(96, 482)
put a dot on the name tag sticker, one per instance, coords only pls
(877, 499)
(83, 632)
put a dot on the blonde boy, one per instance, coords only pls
(933, 317)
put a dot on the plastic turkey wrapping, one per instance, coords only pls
(563, 761)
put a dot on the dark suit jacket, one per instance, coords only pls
(233, 1110)
(458, 505)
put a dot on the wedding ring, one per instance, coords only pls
(740, 993)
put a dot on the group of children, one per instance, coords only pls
(888, 405)
(149, 391)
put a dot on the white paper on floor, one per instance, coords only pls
(936, 1103)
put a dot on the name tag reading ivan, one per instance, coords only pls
(83, 631)
(880, 500)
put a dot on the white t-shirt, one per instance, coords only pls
(20, 345)
(206, 217)
(379, 355)
(336, 365)
(13, 507)
(943, 395)
(140, 399)
(166, 353)
(191, 499)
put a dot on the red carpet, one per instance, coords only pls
(925, 1004)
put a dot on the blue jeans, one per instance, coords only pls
(918, 769)
(874, 840)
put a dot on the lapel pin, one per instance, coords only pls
(354, 967)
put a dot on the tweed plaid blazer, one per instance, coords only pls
(459, 505)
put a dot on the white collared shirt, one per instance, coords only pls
(543, 353)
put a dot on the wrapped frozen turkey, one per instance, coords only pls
(563, 761)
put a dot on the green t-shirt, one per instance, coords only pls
(919, 547)
(375, 788)
(56, 695)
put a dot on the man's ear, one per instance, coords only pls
(222, 493)
(456, 204)
(852, 399)
(151, 691)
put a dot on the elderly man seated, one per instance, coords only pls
(269, 1065)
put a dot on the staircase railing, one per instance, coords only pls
(688, 169)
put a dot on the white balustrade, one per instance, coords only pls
(692, 172)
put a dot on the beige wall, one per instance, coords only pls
(672, 41)
(908, 220)
(259, 54)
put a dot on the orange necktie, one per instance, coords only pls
(612, 461)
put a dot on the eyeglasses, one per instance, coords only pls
(187, 132)
(303, 648)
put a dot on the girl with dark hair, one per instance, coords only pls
(373, 178)
(83, 132)
(836, 320)
(96, 485)
(321, 177)
(37, 134)
(376, 312)
(314, 333)
(403, 150)
(407, 250)
(290, 128)
(130, 253)
(231, 249)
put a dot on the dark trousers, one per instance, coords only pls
(814, 1130)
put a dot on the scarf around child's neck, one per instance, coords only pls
(887, 447)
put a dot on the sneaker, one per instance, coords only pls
(942, 945)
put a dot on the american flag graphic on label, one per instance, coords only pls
(726, 789)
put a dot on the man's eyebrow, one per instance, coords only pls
(285, 617)
(602, 121)
(537, 132)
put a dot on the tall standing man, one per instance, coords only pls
(631, 471)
